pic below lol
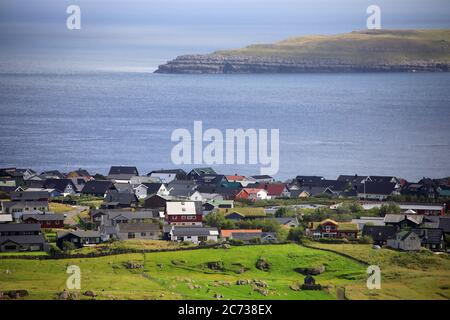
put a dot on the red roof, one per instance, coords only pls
(235, 178)
(274, 189)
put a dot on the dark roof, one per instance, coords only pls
(25, 239)
(381, 178)
(123, 170)
(211, 179)
(29, 195)
(152, 188)
(308, 179)
(138, 227)
(352, 179)
(52, 173)
(202, 171)
(444, 224)
(260, 177)
(58, 184)
(97, 187)
(382, 188)
(286, 220)
(429, 236)
(379, 233)
(79, 234)
(20, 227)
(120, 197)
(43, 217)
(180, 173)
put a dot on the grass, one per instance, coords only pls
(184, 274)
(59, 207)
(405, 275)
(389, 46)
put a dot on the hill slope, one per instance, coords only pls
(361, 51)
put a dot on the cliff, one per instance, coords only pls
(362, 51)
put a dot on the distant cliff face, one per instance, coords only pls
(366, 51)
(192, 64)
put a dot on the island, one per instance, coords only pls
(426, 50)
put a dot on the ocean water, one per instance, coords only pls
(330, 124)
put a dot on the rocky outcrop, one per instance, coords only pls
(218, 64)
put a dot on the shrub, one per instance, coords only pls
(365, 240)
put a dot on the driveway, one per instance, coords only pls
(71, 218)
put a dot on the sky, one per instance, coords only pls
(137, 35)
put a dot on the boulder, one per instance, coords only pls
(263, 264)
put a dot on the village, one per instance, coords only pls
(60, 212)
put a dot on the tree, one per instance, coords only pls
(296, 234)
(390, 208)
(68, 246)
(284, 212)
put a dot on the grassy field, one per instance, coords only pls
(185, 275)
(404, 275)
(59, 207)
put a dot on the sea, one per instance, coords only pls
(329, 124)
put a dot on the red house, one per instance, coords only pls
(331, 229)
(184, 213)
(47, 221)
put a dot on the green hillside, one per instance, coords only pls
(391, 46)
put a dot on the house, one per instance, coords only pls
(243, 181)
(52, 193)
(380, 234)
(252, 194)
(98, 188)
(374, 221)
(114, 217)
(136, 180)
(169, 175)
(403, 221)
(148, 231)
(243, 213)
(405, 240)
(224, 192)
(154, 188)
(157, 201)
(116, 200)
(29, 196)
(79, 238)
(193, 234)
(15, 237)
(122, 174)
(216, 204)
(289, 222)
(311, 191)
(180, 186)
(184, 213)
(17, 208)
(276, 190)
(64, 186)
(308, 180)
(376, 190)
(46, 220)
(187, 195)
(51, 174)
(331, 229)
(432, 239)
(432, 209)
(228, 233)
(262, 237)
(263, 178)
(196, 173)
(124, 187)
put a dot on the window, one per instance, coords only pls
(131, 235)
(143, 234)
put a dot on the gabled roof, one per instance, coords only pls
(262, 177)
(130, 171)
(352, 179)
(79, 234)
(193, 231)
(29, 195)
(429, 236)
(245, 211)
(285, 221)
(152, 188)
(380, 188)
(233, 178)
(138, 227)
(274, 189)
(444, 223)
(23, 239)
(123, 198)
(58, 184)
(181, 208)
(308, 179)
(20, 227)
(97, 187)
(203, 171)
(178, 172)
(379, 233)
(43, 217)
(397, 218)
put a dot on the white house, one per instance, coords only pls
(194, 234)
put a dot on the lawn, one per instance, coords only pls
(59, 207)
(185, 274)
(404, 275)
